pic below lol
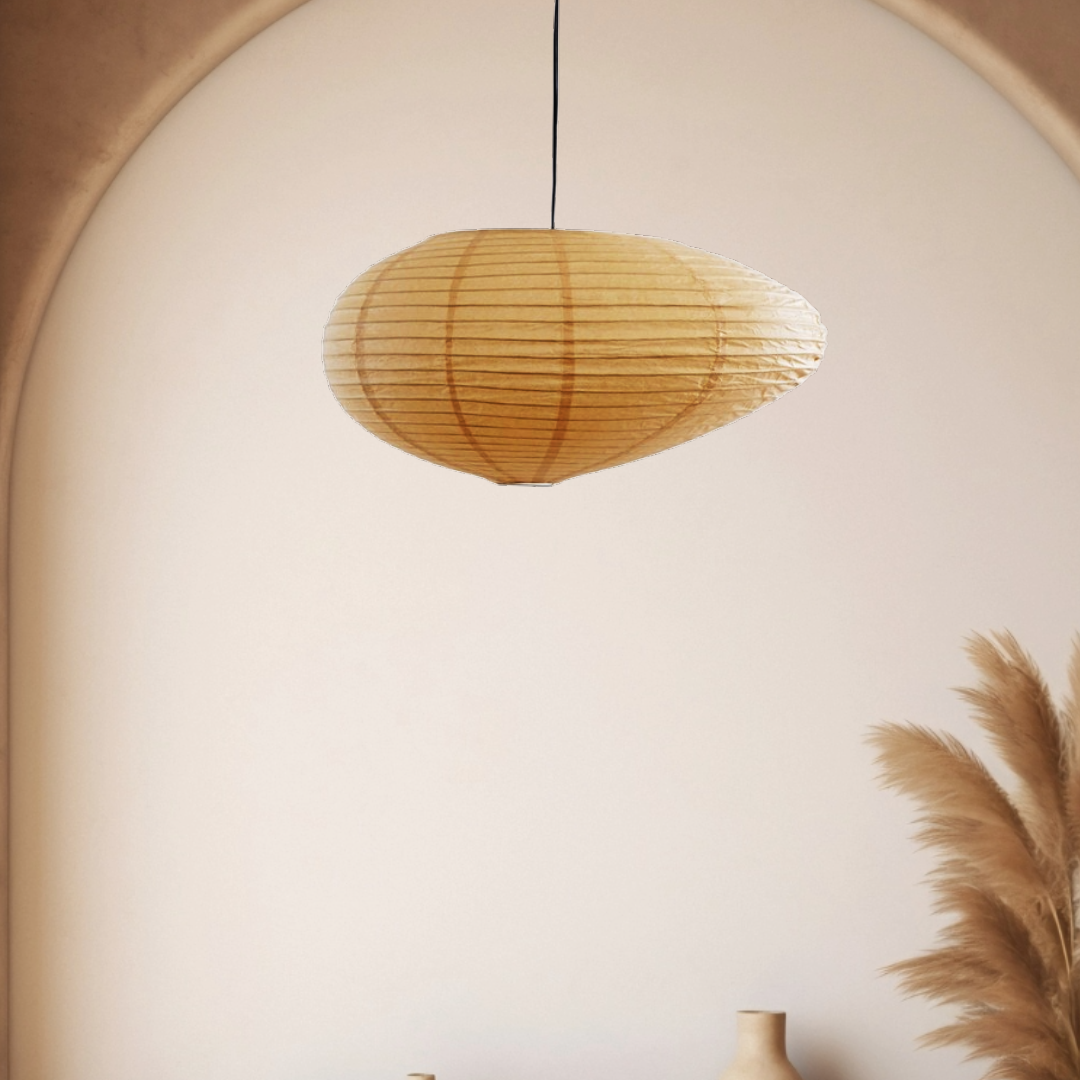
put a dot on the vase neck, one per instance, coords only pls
(761, 1034)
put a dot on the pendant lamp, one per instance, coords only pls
(529, 356)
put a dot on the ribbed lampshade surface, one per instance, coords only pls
(533, 355)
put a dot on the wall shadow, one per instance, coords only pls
(823, 1058)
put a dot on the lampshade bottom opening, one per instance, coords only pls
(522, 483)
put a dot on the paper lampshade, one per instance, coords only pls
(528, 356)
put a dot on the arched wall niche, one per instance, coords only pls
(83, 85)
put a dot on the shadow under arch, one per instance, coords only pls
(83, 85)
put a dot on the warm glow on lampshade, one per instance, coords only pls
(528, 356)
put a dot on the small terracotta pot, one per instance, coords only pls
(760, 1053)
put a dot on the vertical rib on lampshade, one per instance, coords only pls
(533, 355)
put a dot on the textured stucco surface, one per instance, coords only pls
(83, 81)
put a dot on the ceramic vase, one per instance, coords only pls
(760, 1053)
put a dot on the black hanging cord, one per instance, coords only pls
(555, 116)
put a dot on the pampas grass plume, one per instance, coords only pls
(1007, 871)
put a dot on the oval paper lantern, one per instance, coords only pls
(528, 356)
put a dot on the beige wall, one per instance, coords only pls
(332, 763)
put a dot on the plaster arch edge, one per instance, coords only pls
(1005, 75)
(86, 185)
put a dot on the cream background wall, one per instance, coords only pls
(333, 764)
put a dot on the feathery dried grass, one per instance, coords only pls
(1009, 869)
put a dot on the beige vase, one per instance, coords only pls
(760, 1053)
